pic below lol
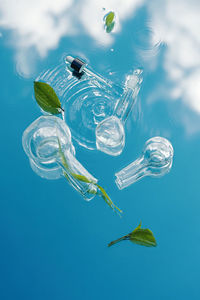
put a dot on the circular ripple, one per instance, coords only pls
(85, 104)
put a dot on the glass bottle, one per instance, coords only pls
(95, 108)
(155, 161)
(47, 143)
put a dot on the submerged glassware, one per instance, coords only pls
(156, 160)
(47, 143)
(95, 107)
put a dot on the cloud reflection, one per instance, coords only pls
(177, 24)
(38, 26)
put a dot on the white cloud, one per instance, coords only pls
(177, 24)
(38, 26)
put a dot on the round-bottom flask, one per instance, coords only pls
(47, 143)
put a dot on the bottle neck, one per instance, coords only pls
(124, 105)
(129, 96)
(132, 173)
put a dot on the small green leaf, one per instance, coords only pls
(110, 27)
(109, 21)
(139, 236)
(47, 98)
(109, 18)
(143, 237)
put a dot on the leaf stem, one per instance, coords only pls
(123, 238)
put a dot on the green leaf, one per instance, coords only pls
(143, 237)
(47, 98)
(110, 27)
(109, 18)
(139, 236)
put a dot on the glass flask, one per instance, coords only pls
(95, 107)
(47, 143)
(156, 160)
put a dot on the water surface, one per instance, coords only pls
(53, 244)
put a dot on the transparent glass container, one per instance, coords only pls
(95, 107)
(155, 161)
(47, 143)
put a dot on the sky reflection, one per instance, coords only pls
(177, 23)
(38, 26)
(169, 40)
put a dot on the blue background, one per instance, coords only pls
(53, 243)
